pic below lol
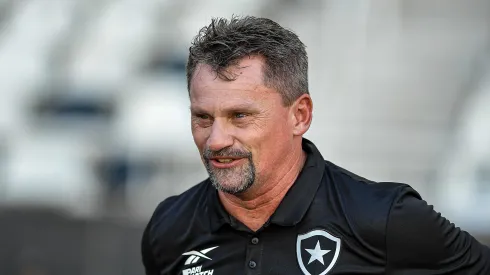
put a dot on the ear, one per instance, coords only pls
(302, 114)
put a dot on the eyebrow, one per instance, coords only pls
(249, 107)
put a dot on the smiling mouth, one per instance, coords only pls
(224, 160)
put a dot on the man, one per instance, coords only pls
(272, 204)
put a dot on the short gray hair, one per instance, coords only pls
(224, 42)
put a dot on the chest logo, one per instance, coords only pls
(194, 255)
(317, 252)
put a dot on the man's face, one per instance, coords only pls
(240, 127)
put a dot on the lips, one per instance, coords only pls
(224, 162)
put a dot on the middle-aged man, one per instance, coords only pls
(272, 204)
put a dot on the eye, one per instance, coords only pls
(203, 116)
(202, 120)
(239, 115)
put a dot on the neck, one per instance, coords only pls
(255, 206)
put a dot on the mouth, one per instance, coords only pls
(226, 162)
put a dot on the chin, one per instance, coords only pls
(233, 189)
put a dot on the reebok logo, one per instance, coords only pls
(194, 256)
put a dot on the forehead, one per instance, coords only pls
(248, 82)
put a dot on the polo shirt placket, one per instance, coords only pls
(253, 256)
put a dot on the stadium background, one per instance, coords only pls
(94, 121)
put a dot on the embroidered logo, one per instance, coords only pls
(317, 252)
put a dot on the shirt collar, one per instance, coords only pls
(294, 205)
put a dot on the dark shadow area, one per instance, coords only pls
(47, 242)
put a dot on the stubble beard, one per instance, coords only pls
(233, 180)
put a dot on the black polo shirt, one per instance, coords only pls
(330, 222)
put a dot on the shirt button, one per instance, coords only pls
(255, 240)
(252, 264)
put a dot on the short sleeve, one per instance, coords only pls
(420, 241)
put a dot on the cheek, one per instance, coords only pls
(279, 129)
(200, 136)
(274, 142)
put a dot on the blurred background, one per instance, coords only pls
(94, 121)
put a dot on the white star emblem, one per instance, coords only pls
(317, 253)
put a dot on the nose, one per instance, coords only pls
(219, 137)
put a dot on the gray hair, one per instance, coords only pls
(224, 42)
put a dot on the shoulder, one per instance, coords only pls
(179, 211)
(176, 217)
(365, 194)
(365, 204)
